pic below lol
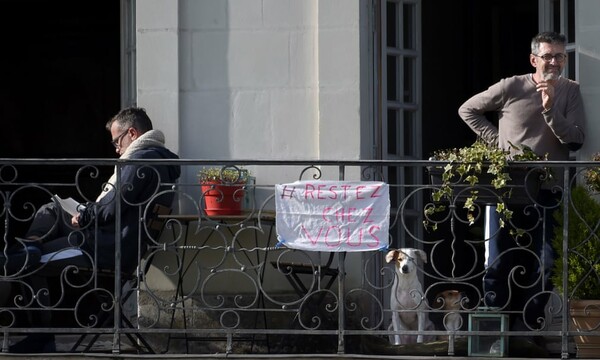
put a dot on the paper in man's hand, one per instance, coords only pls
(69, 205)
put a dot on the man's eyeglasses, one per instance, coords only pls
(548, 57)
(117, 141)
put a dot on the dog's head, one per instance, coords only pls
(449, 299)
(405, 259)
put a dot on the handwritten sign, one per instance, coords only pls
(333, 215)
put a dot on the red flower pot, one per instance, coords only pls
(222, 199)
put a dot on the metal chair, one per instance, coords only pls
(129, 285)
(294, 270)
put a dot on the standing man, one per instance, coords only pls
(543, 111)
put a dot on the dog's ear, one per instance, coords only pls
(392, 255)
(422, 254)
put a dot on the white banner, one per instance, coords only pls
(333, 215)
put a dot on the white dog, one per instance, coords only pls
(407, 294)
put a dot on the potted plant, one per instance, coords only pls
(480, 165)
(223, 189)
(583, 261)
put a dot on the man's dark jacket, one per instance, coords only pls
(141, 186)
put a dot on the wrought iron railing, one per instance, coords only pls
(220, 283)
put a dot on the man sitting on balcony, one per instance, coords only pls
(93, 229)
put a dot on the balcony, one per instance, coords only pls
(223, 285)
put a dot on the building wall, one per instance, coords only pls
(588, 48)
(254, 79)
(257, 79)
(157, 23)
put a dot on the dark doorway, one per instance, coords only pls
(60, 69)
(467, 46)
(60, 83)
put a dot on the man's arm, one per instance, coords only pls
(136, 181)
(569, 128)
(473, 113)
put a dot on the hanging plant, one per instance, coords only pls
(478, 164)
(592, 176)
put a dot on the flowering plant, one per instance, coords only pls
(225, 174)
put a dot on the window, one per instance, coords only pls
(398, 89)
(128, 54)
(559, 16)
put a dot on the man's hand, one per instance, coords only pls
(546, 88)
(75, 221)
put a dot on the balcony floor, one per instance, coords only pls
(102, 349)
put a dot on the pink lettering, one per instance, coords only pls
(358, 192)
(325, 212)
(333, 189)
(339, 237)
(367, 220)
(375, 193)
(360, 238)
(308, 235)
(320, 192)
(373, 232)
(345, 193)
(308, 191)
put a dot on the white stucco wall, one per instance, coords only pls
(269, 75)
(588, 48)
(269, 79)
(157, 23)
(240, 66)
(339, 79)
(256, 79)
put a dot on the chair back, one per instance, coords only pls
(156, 221)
